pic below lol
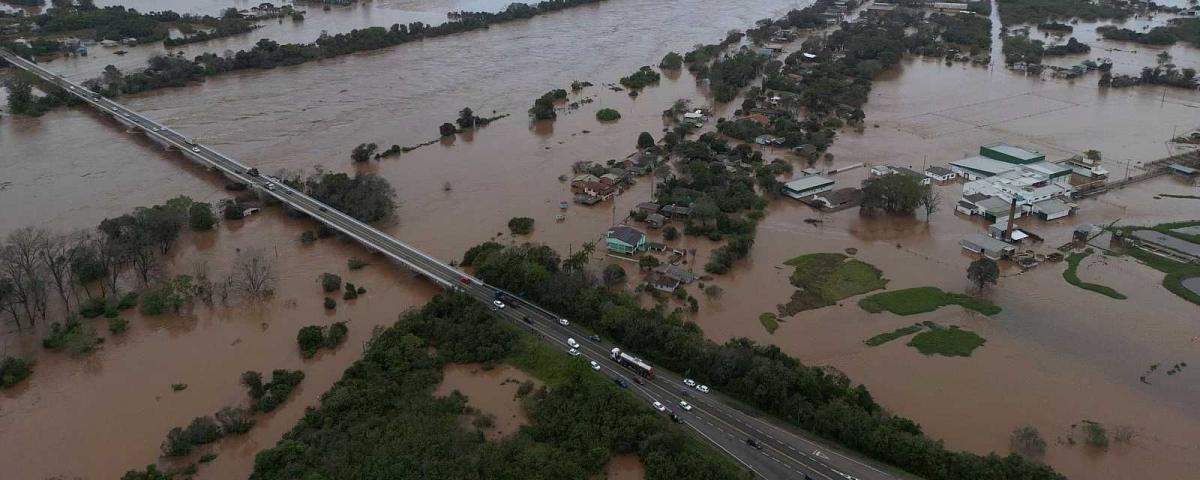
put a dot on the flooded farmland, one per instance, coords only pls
(1056, 356)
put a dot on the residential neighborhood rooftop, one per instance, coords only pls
(939, 171)
(626, 234)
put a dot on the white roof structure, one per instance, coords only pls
(808, 182)
(1028, 185)
(1052, 206)
(983, 165)
(1049, 169)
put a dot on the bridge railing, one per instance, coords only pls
(83, 93)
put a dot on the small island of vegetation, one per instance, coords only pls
(912, 301)
(607, 115)
(949, 341)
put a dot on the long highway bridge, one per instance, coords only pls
(779, 453)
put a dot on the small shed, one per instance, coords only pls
(1183, 171)
(655, 220)
(940, 174)
(987, 246)
(673, 211)
(646, 208)
(676, 272)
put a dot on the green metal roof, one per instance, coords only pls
(1008, 153)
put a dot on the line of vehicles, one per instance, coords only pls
(641, 368)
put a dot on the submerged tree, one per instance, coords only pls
(254, 273)
(1027, 441)
(931, 201)
(982, 272)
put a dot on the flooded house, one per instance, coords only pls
(807, 186)
(1185, 172)
(987, 246)
(941, 175)
(1088, 169)
(593, 186)
(676, 211)
(881, 170)
(949, 8)
(835, 200)
(766, 139)
(655, 220)
(639, 163)
(624, 239)
(646, 208)
(677, 273)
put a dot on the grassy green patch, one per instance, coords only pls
(947, 341)
(911, 301)
(825, 278)
(892, 335)
(1175, 272)
(769, 321)
(1072, 277)
(542, 360)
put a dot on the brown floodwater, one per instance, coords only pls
(624, 467)
(491, 392)
(113, 408)
(72, 168)
(1057, 354)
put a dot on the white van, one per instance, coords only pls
(572, 343)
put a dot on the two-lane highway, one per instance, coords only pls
(780, 453)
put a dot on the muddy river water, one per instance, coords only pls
(1057, 355)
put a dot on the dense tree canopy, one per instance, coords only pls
(895, 193)
(382, 421)
(365, 196)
